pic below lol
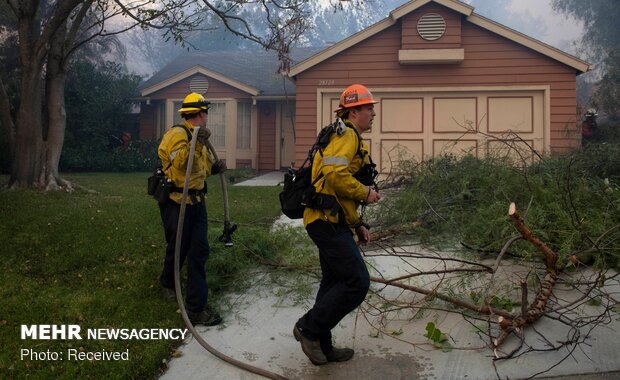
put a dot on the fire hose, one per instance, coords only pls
(227, 240)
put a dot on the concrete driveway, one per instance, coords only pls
(258, 330)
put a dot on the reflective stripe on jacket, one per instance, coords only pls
(338, 162)
(174, 148)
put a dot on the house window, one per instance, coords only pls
(216, 122)
(243, 125)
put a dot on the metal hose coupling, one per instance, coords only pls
(226, 236)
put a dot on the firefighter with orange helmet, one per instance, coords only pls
(173, 152)
(345, 279)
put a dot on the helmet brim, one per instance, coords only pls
(340, 108)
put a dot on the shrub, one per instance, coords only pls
(569, 201)
(140, 155)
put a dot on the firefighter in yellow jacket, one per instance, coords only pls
(173, 152)
(345, 279)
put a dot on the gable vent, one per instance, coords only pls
(199, 84)
(431, 26)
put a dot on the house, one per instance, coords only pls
(447, 81)
(252, 105)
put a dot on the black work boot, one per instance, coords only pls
(168, 293)
(312, 348)
(207, 317)
(339, 354)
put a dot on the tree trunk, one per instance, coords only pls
(37, 148)
(28, 149)
(54, 129)
(39, 139)
(27, 158)
(55, 132)
(7, 127)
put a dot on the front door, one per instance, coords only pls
(287, 135)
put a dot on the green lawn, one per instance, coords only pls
(93, 260)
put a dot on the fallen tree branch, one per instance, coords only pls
(516, 324)
(397, 230)
(484, 309)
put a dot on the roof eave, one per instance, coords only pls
(413, 5)
(340, 46)
(202, 70)
(457, 6)
(394, 16)
(532, 43)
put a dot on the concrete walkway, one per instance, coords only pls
(268, 179)
(257, 329)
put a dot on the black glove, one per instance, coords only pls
(203, 135)
(218, 167)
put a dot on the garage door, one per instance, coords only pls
(419, 124)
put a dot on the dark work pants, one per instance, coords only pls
(194, 248)
(344, 283)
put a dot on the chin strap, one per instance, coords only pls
(177, 267)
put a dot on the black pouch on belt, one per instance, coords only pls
(163, 189)
(159, 185)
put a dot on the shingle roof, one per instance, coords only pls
(255, 68)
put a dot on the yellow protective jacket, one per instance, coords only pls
(337, 163)
(173, 152)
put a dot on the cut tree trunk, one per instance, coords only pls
(537, 308)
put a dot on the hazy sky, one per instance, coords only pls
(560, 29)
(534, 18)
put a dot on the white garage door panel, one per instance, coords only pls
(393, 151)
(457, 148)
(401, 115)
(456, 115)
(421, 123)
(511, 114)
(516, 150)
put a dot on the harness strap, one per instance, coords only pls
(189, 138)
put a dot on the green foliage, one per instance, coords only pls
(599, 18)
(137, 156)
(496, 301)
(607, 96)
(98, 104)
(572, 200)
(439, 339)
(94, 260)
(601, 40)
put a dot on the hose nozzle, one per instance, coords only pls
(226, 236)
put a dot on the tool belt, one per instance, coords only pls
(193, 194)
(160, 187)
